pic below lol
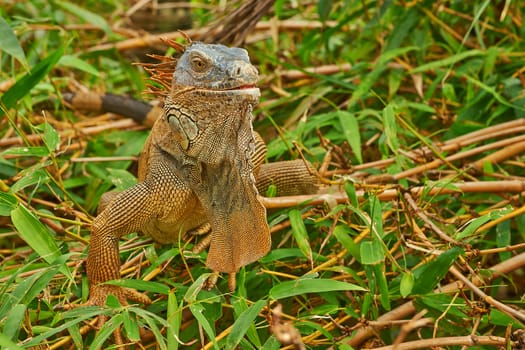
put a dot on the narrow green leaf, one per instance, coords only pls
(365, 87)
(85, 15)
(323, 8)
(122, 179)
(9, 42)
(500, 318)
(243, 323)
(350, 127)
(31, 178)
(153, 321)
(8, 202)
(149, 286)
(403, 28)
(51, 138)
(391, 128)
(36, 151)
(351, 193)
(130, 326)
(371, 252)
(376, 214)
(429, 275)
(29, 80)
(300, 234)
(77, 316)
(379, 271)
(195, 288)
(472, 226)
(36, 235)
(366, 304)
(407, 283)
(12, 324)
(7, 343)
(106, 330)
(448, 61)
(341, 233)
(174, 318)
(303, 286)
(197, 311)
(77, 63)
(503, 238)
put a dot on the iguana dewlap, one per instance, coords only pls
(198, 166)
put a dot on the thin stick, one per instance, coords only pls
(510, 186)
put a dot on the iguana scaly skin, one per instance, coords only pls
(197, 170)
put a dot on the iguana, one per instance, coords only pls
(198, 170)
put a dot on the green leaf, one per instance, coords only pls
(77, 316)
(85, 15)
(36, 151)
(197, 311)
(351, 193)
(106, 330)
(130, 326)
(51, 138)
(149, 286)
(350, 127)
(376, 215)
(403, 28)
(303, 286)
(30, 178)
(152, 321)
(7, 343)
(122, 179)
(371, 252)
(499, 318)
(504, 238)
(27, 290)
(174, 318)
(448, 61)
(35, 234)
(12, 324)
(407, 283)
(379, 272)
(365, 86)
(341, 233)
(391, 129)
(8, 202)
(300, 234)
(323, 8)
(77, 63)
(243, 323)
(476, 223)
(9, 42)
(29, 80)
(429, 275)
(195, 288)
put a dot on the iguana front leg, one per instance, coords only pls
(161, 208)
(123, 215)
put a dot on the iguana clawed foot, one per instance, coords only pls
(98, 296)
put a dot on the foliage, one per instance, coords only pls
(413, 111)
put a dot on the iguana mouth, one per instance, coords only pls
(245, 86)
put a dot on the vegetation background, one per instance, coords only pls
(411, 110)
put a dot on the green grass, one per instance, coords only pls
(418, 126)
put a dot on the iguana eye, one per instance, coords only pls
(199, 63)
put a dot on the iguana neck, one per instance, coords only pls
(210, 142)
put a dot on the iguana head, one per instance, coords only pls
(216, 69)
